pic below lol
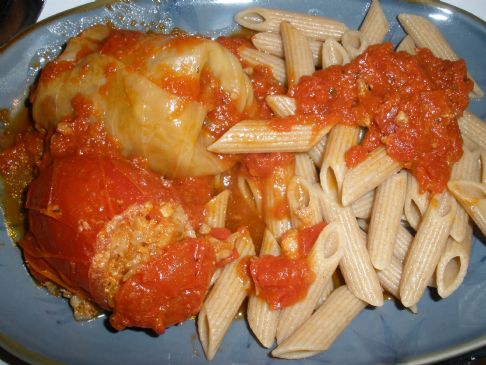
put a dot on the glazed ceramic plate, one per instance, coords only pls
(40, 328)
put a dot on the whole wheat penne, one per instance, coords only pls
(303, 203)
(281, 105)
(407, 45)
(416, 203)
(467, 168)
(453, 264)
(262, 320)
(316, 153)
(483, 166)
(375, 25)
(333, 53)
(326, 291)
(472, 197)
(390, 279)
(251, 192)
(319, 332)
(258, 136)
(224, 299)
(473, 128)
(305, 167)
(276, 64)
(370, 173)
(354, 42)
(402, 243)
(215, 210)
(427, 35)
(362, 207)
(323, 260)
(385, 219)
(264, 20)
(275, 207)
(355, 265)
(272, 43)
(298, 55)
(340, 139)
(426, 248)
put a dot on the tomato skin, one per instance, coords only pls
(70, 201)
(166, 290)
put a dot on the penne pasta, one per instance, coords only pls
(452, 267)
(316, 153)
(258, 136)
(281, 105)
(268, 20)
(366, 176)
(303, 203)
(262, 320)
(333, 53)
(215, 210)
(319, 332)
(323, 260)
(276, 64)
(305, 167)
(375, 25)
(224, 299)
(472, 197)
(467, 168)
(298, 55)
(340, 139)
(356, 267)
(416, 203)
(326, 291)
(354, 42)
(473, 128)
(402, 243)
(426, 248)
(407, 45)
(483, 166)
(426, 35)
(251, 192)
(385, 219)
(362, 207)
(272, 43)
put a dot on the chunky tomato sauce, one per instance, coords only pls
(410, 105)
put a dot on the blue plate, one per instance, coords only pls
(39, 328)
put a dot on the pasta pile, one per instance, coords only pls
(369, 209)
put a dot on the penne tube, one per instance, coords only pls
(316, 153)
(483, 166)
(298, 55)
(319, 332)
(426, 248)
(416, 203)
(362, 207)
(473, 128)
(323, 260)
(224, 299)
(407, 45)
(215, 210)
(333, 53)
(326, 291)
(385, 219)
(375, 25)
(262, 320)
(272, 43)
(402, 243)
(251, 192)
(275, 206)
(303, 203)
(305, 167)
(340, 139)
(427, 35)
(354, 42)
(258, 136)
(452, 267)
(281, 105)
(472, 197)
(467, 168)
(276, 64)
(366, 176)
(268, 20)
(355, 265)
(390, 279)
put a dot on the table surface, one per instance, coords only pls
(51, 7)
